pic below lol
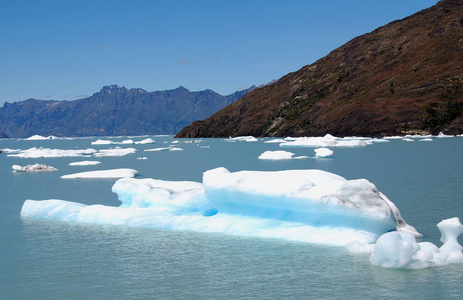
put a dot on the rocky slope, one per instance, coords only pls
(405, 76)
(114, 110)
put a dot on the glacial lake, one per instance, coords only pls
(44, 259)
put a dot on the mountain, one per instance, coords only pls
(114, 110)
(406, 76)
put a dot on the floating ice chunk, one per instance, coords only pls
(114, 173)
(326, 141)
(85, 163)
(47, 152)
(118, 151)
(323, 152)
(33, 168)
(300, 157)
(276, 155)
(127, 142)
(400, 250)
(142, 158)
(408, 140)
(102, 142)
(450, 230)
(302, 205)
(277, 141)
(426, 140)
(244, 139)
(442, 135)
(145, 141)
(40, 138)
(164, 149)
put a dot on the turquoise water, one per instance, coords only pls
(42, 259)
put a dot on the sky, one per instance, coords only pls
(70, 49)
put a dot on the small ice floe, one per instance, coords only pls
(47, 152)
(276, 155)
(442, 135)
(426, 140)
(102, 142)
(118, 151)
(109, 142)
(325, 141)
(408, 140)
(85, 163)
(401, 251)
(275, 141)
(33, 168)
(114, 173)
(243, 139)
(323, 152)
(40, 138)
(163, 149)
(145, 141)
(142, 158)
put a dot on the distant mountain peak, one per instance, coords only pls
(112, 88)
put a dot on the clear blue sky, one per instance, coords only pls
(70, 49)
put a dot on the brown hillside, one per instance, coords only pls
(405, 76)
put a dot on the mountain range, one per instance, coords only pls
(114, 110)
(404, 77)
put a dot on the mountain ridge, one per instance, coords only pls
(114, 110)
(405, 76)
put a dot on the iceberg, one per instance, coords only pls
(47, 152)
(114, 173)
(400, 250)
(102, 142)
(275, 141)
(325, 141)
(163, 149)
(33, 168)
(323, 152)
(85, 163)
(40, 138)
(118, 151)
(276, 155)
(145, 141)
(244, 139)
(302, 205)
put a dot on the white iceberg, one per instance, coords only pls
(118, 151)
(33, 168)
(114, 173)
(163, 149)
(276, 155)
(145, 141)
(326, 141)
(323, 152)
(85, 163)
(102, 142)
(40, 138)
(275, 141)
(401, 251)
(442, 135)
(302, 205)
(47, 152)
(244, 139)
